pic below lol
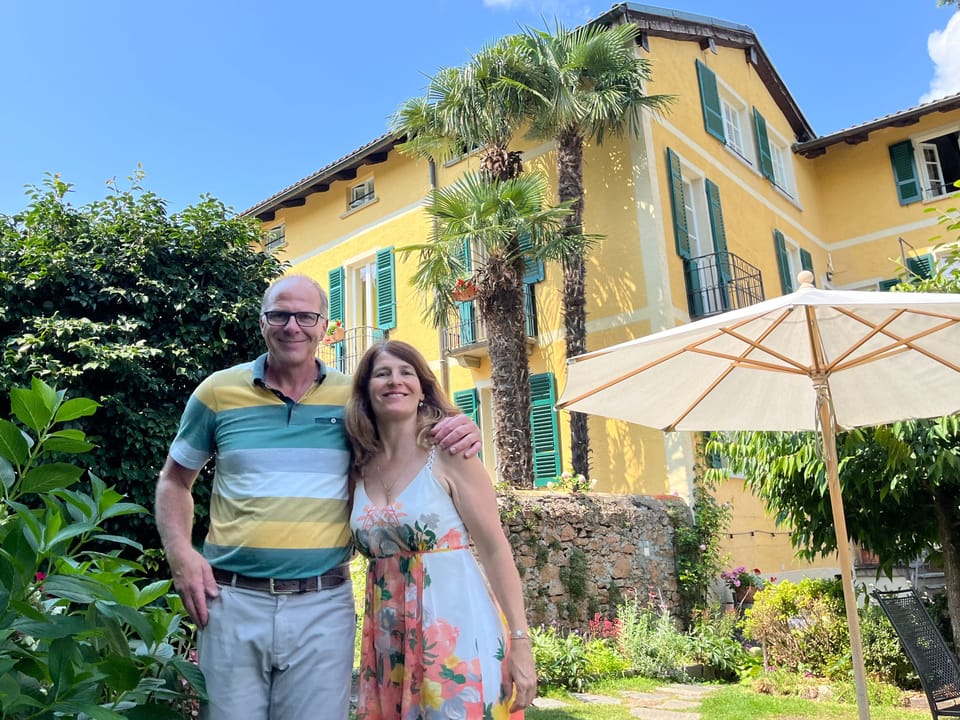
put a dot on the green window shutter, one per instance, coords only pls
(710, 98)
(336, 294)
(763, 145)
(905, 172)
(463, 256)
(783, 262)
(532, 268)
(676, 204)
(543, 425)
(468, 402)
(717, 228)
(921, 266)
(468, 326)
(806, 260)
(386, 290)
(885, 285)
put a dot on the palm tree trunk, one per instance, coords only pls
(943, 505)
(570, 185)
(502, 308)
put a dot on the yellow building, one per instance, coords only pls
(717, 204)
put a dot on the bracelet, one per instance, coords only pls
(519, 635)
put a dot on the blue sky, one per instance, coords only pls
(240, 99)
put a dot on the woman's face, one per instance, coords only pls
(394, 388)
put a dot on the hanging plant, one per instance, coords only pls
(464, 290)
(334, 334)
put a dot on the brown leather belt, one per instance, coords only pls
(330, 579)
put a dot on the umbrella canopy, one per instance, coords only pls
(886, 357)
(810, 360)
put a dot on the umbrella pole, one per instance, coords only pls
(843, 550)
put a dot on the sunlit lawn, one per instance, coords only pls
(729, 702)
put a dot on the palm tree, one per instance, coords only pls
(580, 85)
(492, 215)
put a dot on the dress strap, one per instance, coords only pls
(430, 457)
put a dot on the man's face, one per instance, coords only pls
(291, 345)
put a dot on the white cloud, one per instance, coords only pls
(943, 45)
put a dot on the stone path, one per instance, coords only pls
(670, 702)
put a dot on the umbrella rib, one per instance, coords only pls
(900, 344)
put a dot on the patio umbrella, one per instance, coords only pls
(810, 360)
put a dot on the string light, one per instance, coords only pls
(754, 533)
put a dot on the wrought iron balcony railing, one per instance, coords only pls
(719, 282)
(345, 355)
(466, 337)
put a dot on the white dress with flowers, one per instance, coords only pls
(433, 641)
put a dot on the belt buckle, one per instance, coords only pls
(274, 591)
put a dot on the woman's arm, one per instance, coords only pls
(473, 494)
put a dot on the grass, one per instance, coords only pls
(728, 702)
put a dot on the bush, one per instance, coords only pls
(651, 640)
(561, 659)
(883, 656)
(82, 634)
(801, 626)
(713, 642)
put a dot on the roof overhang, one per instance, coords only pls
(345, 168)
(860, 133)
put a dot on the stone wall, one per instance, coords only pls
(582, 554)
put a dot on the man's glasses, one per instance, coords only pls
(280, 318)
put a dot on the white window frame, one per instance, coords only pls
(941, 258)
(699, 230)
(933, 184)
(793, 256)
(276, 239)
(781, 157)
(360, 292)
(736, 122)
(361, 194)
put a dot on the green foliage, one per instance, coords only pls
(882, 654)
(82, 634)
(561, 658)
(801, 626)
(713, 642)
(132, 308)
(700, 556)
(652, 641)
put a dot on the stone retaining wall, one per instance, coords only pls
(582, 554)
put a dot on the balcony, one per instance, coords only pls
(720, 282)
(345, 355)
(466, 337)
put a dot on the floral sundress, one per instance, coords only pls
(433, 641)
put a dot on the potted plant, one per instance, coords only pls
(334, 333)
(464, 290)
(743, 583)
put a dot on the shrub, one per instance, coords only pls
(81, 633)
(801, 626)
(561, 659)
(883, 656)
(713, 642)
(651, 640)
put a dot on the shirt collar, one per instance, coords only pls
(260, 371)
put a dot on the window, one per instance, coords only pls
(700, 236)
(363, 298)
(724, 113)
(543, 425)
(791, 259)
(275, 240)
(776, 162)
(926, 168)
(361, 194)
(947, 259)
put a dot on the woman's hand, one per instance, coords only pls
(522, 673)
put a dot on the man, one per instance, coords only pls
(271, 590)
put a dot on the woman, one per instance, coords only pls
(435, 643)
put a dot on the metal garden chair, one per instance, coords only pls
(932, 659)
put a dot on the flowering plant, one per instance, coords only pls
(334, 332)
(740, 577)
(570, 483)
(464, 289)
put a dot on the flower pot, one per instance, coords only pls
(334, 335)
(464, 294)
(743, 595)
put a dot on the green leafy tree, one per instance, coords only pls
(580, 86)
(82, 633)
(132, 307)
(899, 481)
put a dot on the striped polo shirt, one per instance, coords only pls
(278, 505)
